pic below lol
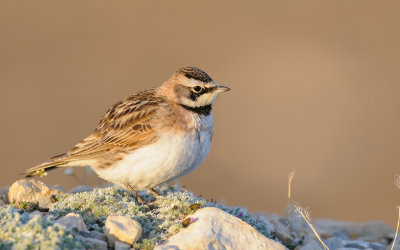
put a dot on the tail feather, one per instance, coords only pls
(38, 170)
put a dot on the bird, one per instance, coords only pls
(151, 137)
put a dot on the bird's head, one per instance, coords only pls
(191, 88)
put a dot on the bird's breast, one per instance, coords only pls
(174, 154)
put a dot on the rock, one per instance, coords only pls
(60, 188)
(97, 244)
(4, 194)
(282, 230)
(80, 189)
(2, 203)
(93, 234)
(371, 230)
(122, 228)
(311, 245)
(334, 243)
(215, 229)
(32, 191)
(358, 244)
(73, 220)
(121, 245)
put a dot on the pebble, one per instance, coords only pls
(97, 244)
(73, 220)
(122, 228)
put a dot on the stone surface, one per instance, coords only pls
(4, 194)
(334, 243)
(81, 188)
(33, 191)
(93, 234)
(97, 244)
(122, 228)
(311, 245)
(283, 229)
(60, 188)
(215, 229)
(73, 220)
(371, 230)
(358, 244)
(121, 245)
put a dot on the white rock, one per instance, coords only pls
(215, 229)
(32, 190)
(80, 189)
(121, 245)
(122, 228)
(73, 220)
(97, 244)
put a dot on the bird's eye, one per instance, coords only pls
(197, 88)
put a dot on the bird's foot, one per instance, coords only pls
(138, 198)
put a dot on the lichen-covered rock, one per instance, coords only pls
(22, 231)
(32, 191)
(122, 228)
(213, 228)
(73, 220)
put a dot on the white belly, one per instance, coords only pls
(172, 156)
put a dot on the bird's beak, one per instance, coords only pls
(221, 88)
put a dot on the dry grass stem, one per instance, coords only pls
(290, 177)
(397, 228)
(306, 216)
(397, 181)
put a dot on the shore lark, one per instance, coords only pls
(151, 137)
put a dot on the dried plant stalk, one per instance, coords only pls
(306, 216)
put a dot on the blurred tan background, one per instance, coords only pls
(315, 87)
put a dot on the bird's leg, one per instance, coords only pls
(154, 192)
(130, 188)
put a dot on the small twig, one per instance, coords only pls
(397, 229)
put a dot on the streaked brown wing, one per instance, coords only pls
(126, 126)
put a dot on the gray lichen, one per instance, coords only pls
(22, 231)
(158, 222)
